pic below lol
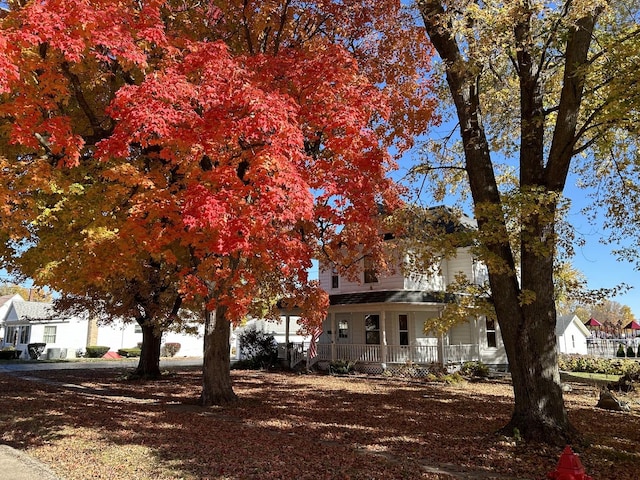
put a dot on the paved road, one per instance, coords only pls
(8, 367)
(17, 465)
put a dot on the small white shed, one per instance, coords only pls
(571, 335)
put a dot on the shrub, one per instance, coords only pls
(170, 349)
(620, 352)
(342, 367)
(259, 349)
(630, 351)
(10, 353)
(608, 366)
(129, 352)
(96, 351)
(474, 369)
(35, 350)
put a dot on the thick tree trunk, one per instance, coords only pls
(149, 363)
(525, 307)
(539, 413)
(216, 375)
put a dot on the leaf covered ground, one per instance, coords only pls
(95, 424)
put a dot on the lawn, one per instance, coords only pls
(94, 424)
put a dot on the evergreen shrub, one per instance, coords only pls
(96, 351)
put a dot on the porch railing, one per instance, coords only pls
(423, 354)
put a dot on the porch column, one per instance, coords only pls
(287, 351)
(383, 340)
(332, 321)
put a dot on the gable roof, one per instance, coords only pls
(34, 311)
(563, 322)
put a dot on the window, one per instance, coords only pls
(573, 341)
(137, 329)
(49, 334)
(491, 333)
(25, 334)
(335, 282)
(403, 327)
(372, 329)
(11, 335)
(369, 271)
(343, 329)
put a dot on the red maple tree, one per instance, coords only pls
(236, 164)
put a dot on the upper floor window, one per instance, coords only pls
(369, 271)
(372, 329)
(335, 279)
(491, 333)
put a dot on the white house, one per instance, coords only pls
(67, 336)
(572, 335)
(378, 322)
(5, 304)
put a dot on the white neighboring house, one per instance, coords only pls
(5, 304)
(572, 335)
(36, 322)
(285, 331)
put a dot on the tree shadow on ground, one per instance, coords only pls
(287, 426)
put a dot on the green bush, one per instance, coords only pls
(10, 353)
(630, 351)
(608, 366)
(129, 352)
(474, 369)
(96, 351)
(342, 367)
(259, 350)
(620, 352)
(35, 350)
(170, 349)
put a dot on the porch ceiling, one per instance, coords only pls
(389, 296)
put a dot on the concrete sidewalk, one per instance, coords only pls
(17, 465)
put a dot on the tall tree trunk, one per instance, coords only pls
(525, 308)
(216, 375)
(149, 363)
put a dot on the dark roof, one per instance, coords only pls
(389, 296)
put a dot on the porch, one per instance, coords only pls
(380, 358)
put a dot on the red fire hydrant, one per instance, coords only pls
(569, 467)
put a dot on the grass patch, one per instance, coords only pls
(584, 377)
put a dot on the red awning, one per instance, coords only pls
(592, 322)
(633, 325)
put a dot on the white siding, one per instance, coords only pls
(393, 281)
(117, 335)
(461, 263)
(462, 334)
(572, 341)
(433, 281)
(190, 345)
